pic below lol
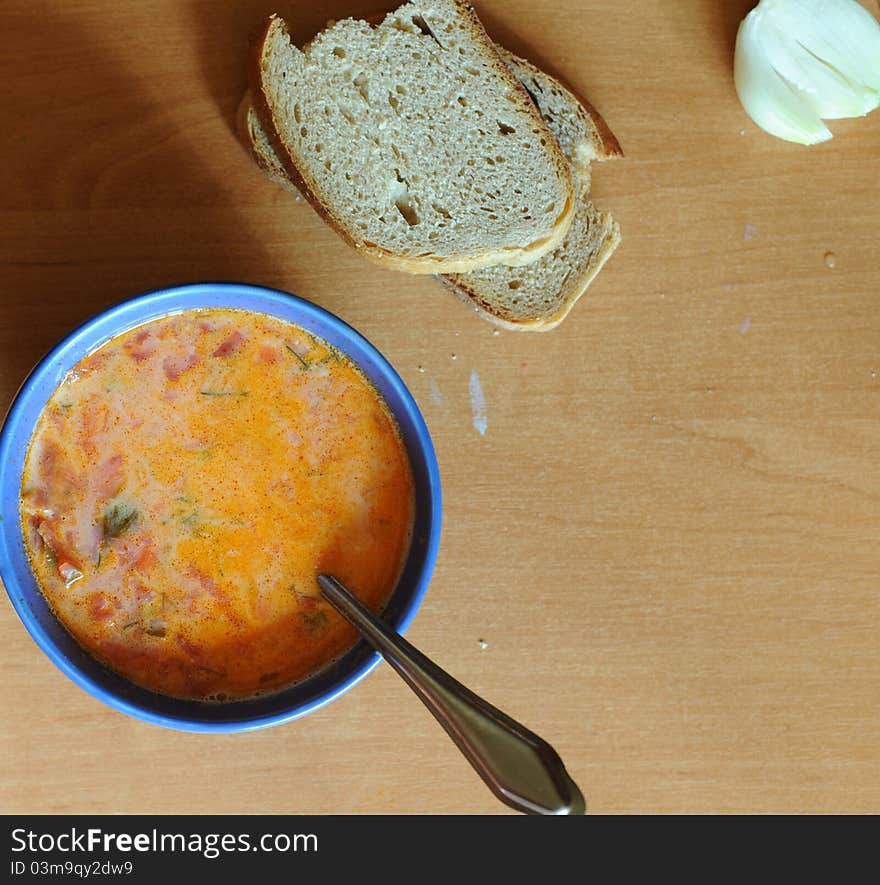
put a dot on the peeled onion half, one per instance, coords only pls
(799, 62)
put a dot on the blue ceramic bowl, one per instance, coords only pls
(59, 645)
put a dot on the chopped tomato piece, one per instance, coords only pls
(100, 607)
(268, 354)
(56, 472)
(230, 345)
(62, 548)
(175, 365)
(207, 583)
(141, 346)
(306, 602)
(146, 559)
(109, 477)
(94, 362)
(95, 420)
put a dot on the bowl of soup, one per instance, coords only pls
(175, 475)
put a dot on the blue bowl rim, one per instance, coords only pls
(144, 308)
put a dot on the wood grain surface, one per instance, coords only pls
(667, 538)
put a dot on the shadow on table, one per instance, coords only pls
(105, 187)
(727, 17)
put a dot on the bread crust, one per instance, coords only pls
(427, 263)
(264, 113)
(609, 147)
(575, 290)
(248, 137)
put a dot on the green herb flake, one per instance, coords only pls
(118, 519)
(190, 521)
(306, 365)
(232, 393)
(314, 619)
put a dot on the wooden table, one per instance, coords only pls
(663, 553)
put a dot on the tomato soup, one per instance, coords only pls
(189, 480)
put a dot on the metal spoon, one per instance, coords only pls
(520, 768)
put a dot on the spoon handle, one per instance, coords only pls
(520, 768)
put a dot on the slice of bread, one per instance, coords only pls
(581, 133)
(414, 140)
(539, 296)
